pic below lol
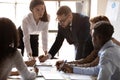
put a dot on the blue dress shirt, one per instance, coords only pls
(109, 65)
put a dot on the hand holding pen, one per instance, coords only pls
(58, 63)
(61, 66)
(65, 67)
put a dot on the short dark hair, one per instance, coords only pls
(64, 10)
(104, 29)
(34, 3)
(99, 18)
(8, 38)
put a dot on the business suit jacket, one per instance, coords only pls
(78, 34)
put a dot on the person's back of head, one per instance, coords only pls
(104, 30)
(8, 38)
(64, 10)
(97, 19)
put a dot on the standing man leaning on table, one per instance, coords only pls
(75, 28)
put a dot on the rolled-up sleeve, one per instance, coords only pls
(22, 67)
(107, 68)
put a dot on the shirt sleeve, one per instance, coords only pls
(26, 37)
(45, 37)
(22, 68)
(106, 68)
(86, 71)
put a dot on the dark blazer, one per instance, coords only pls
(78, 34)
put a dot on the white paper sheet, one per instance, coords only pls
(52, 75)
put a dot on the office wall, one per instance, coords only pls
(98, 7)
(112, 12)
(83, 6)
(103, 8)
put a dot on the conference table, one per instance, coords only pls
(48, 71)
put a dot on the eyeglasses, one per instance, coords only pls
(63, 20)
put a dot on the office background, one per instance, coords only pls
(17, 9)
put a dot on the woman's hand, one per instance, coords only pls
(30, 62)
(43, 58)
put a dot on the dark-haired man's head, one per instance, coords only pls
(64, 16)
(102, 33)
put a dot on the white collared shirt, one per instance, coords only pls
(29, 26)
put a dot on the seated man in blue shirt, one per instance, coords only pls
(109, 55)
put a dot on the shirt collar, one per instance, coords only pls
(106, 45)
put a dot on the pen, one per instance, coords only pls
(62, 65)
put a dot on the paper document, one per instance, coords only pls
(52, 75)
(14, 77)
(46, 63)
